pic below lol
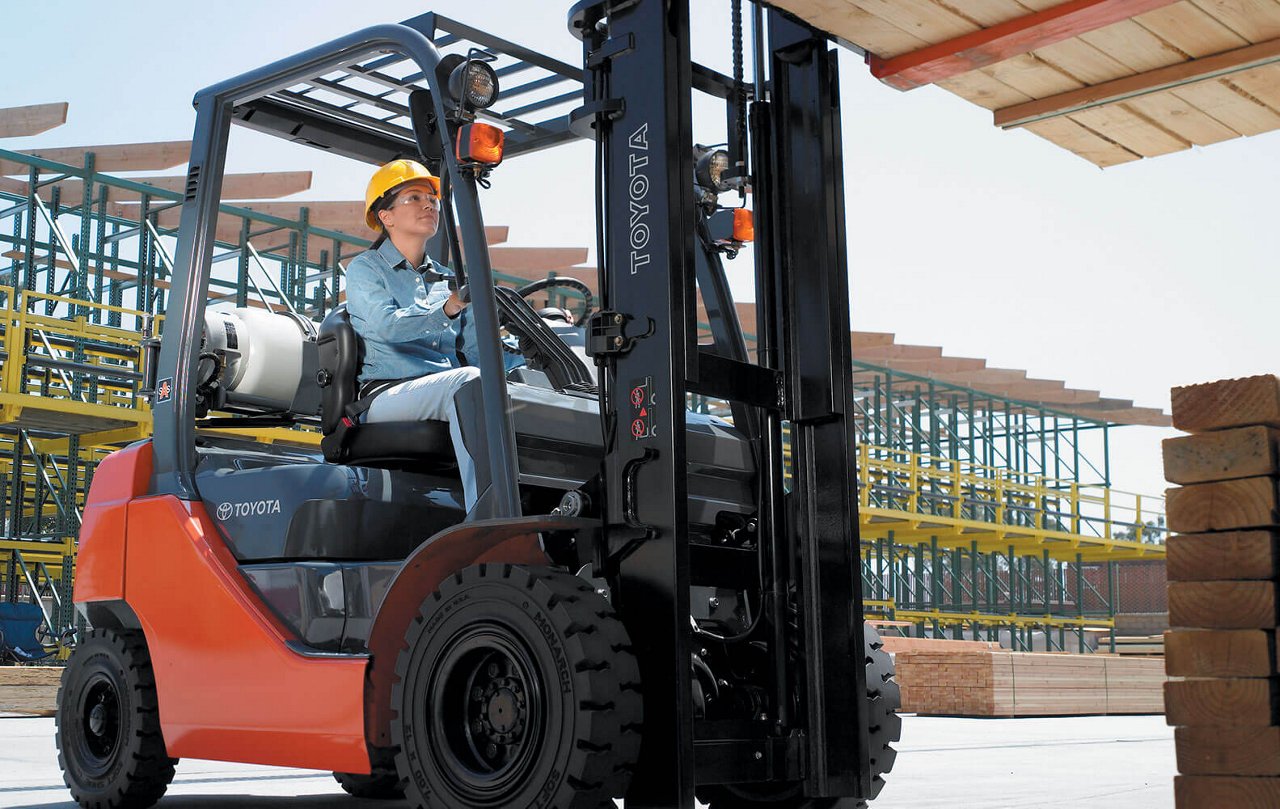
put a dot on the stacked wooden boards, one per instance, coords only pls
(1002, 683)
(29, 689)
(1222, 566)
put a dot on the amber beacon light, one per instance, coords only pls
(480, 143)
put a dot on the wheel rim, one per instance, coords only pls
(487, 713)
(99, 724)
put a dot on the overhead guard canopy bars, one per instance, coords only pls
(373, 50)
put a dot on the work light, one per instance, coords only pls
(475, 84)
(709, 170)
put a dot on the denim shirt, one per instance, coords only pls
(398, 310)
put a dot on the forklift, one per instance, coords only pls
(644, 602)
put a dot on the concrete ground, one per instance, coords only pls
(1105, 762)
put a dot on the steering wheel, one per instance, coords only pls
(562, 281)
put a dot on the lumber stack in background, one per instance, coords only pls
(29, 689)
(996, 682)
(1224, 698)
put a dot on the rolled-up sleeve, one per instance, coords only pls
(369, 300)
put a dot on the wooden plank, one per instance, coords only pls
(1223, 506)
(29, 689)
(1262, 83)
(896, 352)
(1184, 120)
(983, 89)
(30, 675)
(1033, 76)
(1219, 653)
(997, 43)
(1234, 703)
(1254, 20)
(1222, 604)
(1131, 130)
(1224, 455)
(22, 122)
(1083, 141)
(866, 339)
(1135, 46)
(1232, 105)
(1210, 791)
(1227, 403)
(1190, 30)
(895, 644)
(113, 157)
(853, 24)
(1243, 751)
(261, 185)
(1141, 84)
(1083, 61)
(1001, 683)
(1233, 556)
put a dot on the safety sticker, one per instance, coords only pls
(642, 409)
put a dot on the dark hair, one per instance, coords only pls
(383, 203)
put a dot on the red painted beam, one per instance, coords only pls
(1011, 38)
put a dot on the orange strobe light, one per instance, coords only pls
(743, 228)
(480, 143)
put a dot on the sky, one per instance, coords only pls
(991, 244)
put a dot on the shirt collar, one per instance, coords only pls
(430, 270)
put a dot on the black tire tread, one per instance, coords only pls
(606, 673)
(150, 770)
(884, 726)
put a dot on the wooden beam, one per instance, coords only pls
(234, 186)
(1004, 40)
(113, 157)
(21, 122)
(864, 339)
(887, 353)
(516, 259)
(1141, 84)
(933, 365)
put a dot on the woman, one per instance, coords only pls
(408, 312)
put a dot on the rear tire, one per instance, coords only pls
(383, 784)
(110, 747)
(516, 687)
(884, 728)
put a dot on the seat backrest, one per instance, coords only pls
(340, 351)
(18, 625)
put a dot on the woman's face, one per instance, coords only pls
(415, 211)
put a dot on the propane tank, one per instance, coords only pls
(261, 354)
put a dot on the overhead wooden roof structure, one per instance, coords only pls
(1110, 80)
(23, 122)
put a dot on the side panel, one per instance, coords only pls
(100, 570)
(230, 688)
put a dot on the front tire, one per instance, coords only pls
(110, 747)
(516, 687)
(382, 784)
(884, 727)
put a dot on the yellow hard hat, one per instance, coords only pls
(391, 176)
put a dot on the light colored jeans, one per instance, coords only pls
(431, 398)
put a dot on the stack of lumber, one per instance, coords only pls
(895, 643)
(1002, 683)
(29, 689)
(1138, 645)
(1222, 566)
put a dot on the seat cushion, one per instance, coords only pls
(401, 442)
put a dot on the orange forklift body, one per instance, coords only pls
(231, 686)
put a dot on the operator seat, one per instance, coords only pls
(397, 444)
